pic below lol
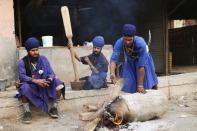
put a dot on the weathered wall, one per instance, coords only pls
(7, 41)
(60, 60)
(7, 18)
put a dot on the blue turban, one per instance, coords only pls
(31, 43)
(98, 41)
(129, 30)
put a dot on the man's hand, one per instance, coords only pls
(94, 69)
(140, 89)
(50, 79)
(69, 46)
(86, 59)
(112, 72)
(41, 82)
(113, 78)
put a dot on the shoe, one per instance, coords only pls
(155, 87)
(27, 118)
(53, 112)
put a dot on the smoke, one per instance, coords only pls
(35, 4)
(88, 17)
(105, 18)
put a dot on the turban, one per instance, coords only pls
(31, 43)
(98, 41)
(129, 30)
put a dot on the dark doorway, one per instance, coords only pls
(38, 18)
(183, 40)
(183, 45)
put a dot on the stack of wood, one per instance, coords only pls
(93, 113)
(88, 111)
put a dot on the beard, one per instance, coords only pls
(96, 52)
(33, 59)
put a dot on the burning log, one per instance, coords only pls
(127, 108)
(89, 108)
(136, 107)
(85, 116)
(96, 117)
(91, 125)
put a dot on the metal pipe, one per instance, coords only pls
(178, 5)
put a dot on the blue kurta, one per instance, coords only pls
(37, 95)
(96, 80)
(140, 57)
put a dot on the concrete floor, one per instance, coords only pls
(184, 69)
(182, 116)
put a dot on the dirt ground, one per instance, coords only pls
(182, 116)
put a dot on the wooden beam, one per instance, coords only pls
(19, 22)
(177, 6)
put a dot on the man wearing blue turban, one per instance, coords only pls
(138, 68)
(97, 63)
(38, 82)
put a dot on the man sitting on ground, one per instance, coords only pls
(38, 82)
(98, 65)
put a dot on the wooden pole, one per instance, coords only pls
(19, 22)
